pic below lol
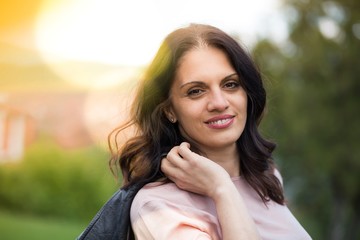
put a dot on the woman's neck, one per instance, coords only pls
(228, 158)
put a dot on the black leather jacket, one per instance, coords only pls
(112, 222)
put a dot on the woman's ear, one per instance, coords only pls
(170, 114)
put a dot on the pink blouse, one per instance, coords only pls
(164, 212)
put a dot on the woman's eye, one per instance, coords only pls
(231, 85)
(194, 92)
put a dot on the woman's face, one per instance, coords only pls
(207, 100)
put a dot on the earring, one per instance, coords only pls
(172, 120)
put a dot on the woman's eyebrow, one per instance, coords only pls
(233, 76)
(230, 76)
(202, 83)
(192, 83)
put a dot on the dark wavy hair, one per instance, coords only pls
(140, 157)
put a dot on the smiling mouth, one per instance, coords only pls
(220, 123)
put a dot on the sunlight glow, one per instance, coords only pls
(104, 111)
(129, 32)
(102, 46)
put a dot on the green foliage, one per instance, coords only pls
(313, 113)
(50, 181)
(19, 227)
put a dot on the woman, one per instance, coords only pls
(210, 173)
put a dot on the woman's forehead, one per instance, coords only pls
(201, 63)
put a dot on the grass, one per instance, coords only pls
(16, 227)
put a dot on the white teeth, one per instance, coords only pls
(218, 122)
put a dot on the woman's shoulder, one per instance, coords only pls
(156, 191)
(159, 208)
(167, 194)
(160, 191)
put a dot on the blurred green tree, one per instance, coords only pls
(51, 181)
(313, 113)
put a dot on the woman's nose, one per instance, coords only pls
(217, 101)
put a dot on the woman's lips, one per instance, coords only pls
(220, 122)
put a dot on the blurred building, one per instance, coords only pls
(75, 108)
(55, 116)
(16, 131)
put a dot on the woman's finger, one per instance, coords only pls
(176, 159)
(185, 152)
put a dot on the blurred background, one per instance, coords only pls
(68, 69)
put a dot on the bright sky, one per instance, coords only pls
(129, 32)
(68, 34)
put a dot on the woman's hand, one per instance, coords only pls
(197, 174)
(192, 172)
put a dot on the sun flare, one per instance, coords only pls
(128, 33)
